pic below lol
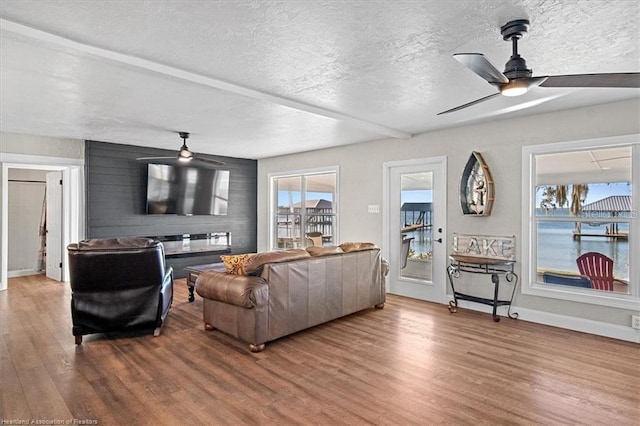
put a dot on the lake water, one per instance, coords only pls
(557, 250)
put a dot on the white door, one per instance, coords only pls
(415, 234)
(54, 226)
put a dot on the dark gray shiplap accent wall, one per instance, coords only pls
(116, 185)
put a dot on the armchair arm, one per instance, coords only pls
(240, 290)
(166, 294)
(168, 276)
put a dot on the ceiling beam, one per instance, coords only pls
(248, 92)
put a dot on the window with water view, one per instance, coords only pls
(583, 216)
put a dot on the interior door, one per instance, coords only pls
(415, 222)
(54, 226)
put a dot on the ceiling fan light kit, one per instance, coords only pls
(515, 88)
(517, 79)
(184, 155)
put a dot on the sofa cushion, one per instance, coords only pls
(324, 251)
(254, 264)
(235, 263)
(356, 246)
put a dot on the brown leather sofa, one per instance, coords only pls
(283, 292)
(118, 284)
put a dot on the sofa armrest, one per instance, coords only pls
(384, 267)
(240, 290)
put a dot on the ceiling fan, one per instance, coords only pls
(517, 79)
(184, 155)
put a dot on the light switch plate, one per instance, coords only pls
(374, 208)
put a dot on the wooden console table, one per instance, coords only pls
(486, 266)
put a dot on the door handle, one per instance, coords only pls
(439, 240)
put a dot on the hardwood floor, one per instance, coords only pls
(409, 363)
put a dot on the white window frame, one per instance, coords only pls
(273, 198)
(529, 235)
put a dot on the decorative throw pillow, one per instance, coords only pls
(254, 264)
(324, 251)
(357, 246)
(234, 264)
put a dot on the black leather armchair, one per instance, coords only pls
(119, 284)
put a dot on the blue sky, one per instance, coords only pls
(603, 190)
(598, 191)
(283, 197)
(418, 196)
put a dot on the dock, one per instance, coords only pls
(613, 236)
(611, 206)
(414, 227)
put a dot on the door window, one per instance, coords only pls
(416, 227)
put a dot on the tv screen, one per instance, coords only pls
(186, 190)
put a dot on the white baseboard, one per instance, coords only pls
(23, 273)
(598, 328)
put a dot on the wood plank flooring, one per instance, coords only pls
(409, 363)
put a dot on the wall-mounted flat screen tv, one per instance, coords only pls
(187, 190)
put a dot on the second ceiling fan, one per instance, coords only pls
(185, 155)
(517, 79)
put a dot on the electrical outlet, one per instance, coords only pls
(635, 322)
(374, 208)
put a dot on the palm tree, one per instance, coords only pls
(555, 196)
(578, 195)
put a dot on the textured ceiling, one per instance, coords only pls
(256, 79)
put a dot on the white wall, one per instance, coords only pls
(500, 143)
(43, 146)
(26, 196)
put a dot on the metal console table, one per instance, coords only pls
(487, 266)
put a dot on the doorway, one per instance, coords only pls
(414, 219)
(72, 202)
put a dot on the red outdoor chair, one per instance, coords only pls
(599, 269)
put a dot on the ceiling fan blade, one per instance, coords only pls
(208, 161)
(623, 79)
(479, 64)
(155, 158)
(477, 101)
(175, 161)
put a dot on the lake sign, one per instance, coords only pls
(485, 246)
